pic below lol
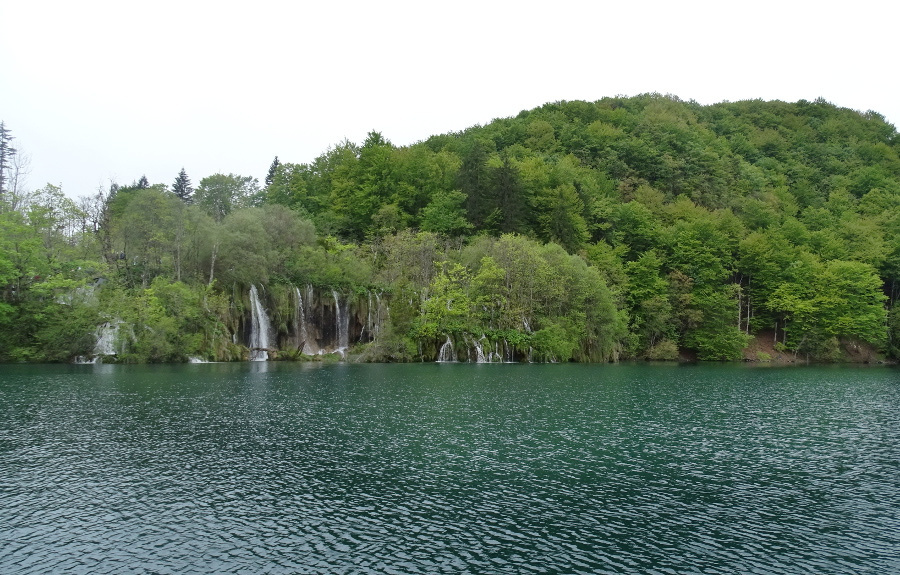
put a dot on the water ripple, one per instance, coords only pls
(449, 469)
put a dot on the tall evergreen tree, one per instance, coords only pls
(474, 180)
(273, 169)
(143, 183)
(182, 187)
(6, 154)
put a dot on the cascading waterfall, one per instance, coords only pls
(509, 352)
(495, 356)
(374, 317)
(447, 353)
(342, 325)
(379, 316)
(479, 351)
(107, 338)
(107, 335)
(311, 347)
(300, 327)
(259, 328)
(369, 328)
(310, 295)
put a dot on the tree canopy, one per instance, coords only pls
(627, 227)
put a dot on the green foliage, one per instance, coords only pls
(7, 153)
(831, 300)
(560, 217)
(644, 227)
(893, 332)
(259, 243)
(664, 350)
(449, 308)
(182, 187)
(554, 342)
(219, 194)
(338, 265)
(535, 298)
(146, 232)
(445, 214)
(168, 321)
(649, 302)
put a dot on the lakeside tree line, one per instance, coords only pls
(644, 227)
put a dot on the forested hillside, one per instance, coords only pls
(644, 227)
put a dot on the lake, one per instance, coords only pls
(449, 468)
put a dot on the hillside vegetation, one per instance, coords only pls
(644, 227)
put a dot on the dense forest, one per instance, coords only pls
(644, 227)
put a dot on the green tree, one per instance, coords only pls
(475, 181)
(445, 214)
(182, 187)
(507, 197)
(273, 171)
(219, 194)
(259, 243)
(559, 217)
(7, 152)
(22, 257)
(649, 301)
(147, 233)
(824, 302)
(448, 308)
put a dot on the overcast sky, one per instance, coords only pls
(98, 90)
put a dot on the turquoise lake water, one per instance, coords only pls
(449, 468)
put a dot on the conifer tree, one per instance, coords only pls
(143, 183)
(273, 169)
(6, 154)
(182, 187)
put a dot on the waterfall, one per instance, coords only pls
(300, 327)
(342, 324)
(479, 351)
(107, 335)
(374, 318)
(447, 352)
(495, 356)
(509, 352)
(369, 328)
(259, 328)
(310, 295)
(379, 316)
(311, 347)
(110, 340)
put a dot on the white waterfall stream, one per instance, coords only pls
(369, 328)
(379, 316)
(479, 351)
(259, 328)
(300, 326)
(509, 352)
(447, 352)
(342, 324)
(107, 336)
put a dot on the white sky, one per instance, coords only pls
(100, 90)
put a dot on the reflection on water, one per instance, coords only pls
(304, 468)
